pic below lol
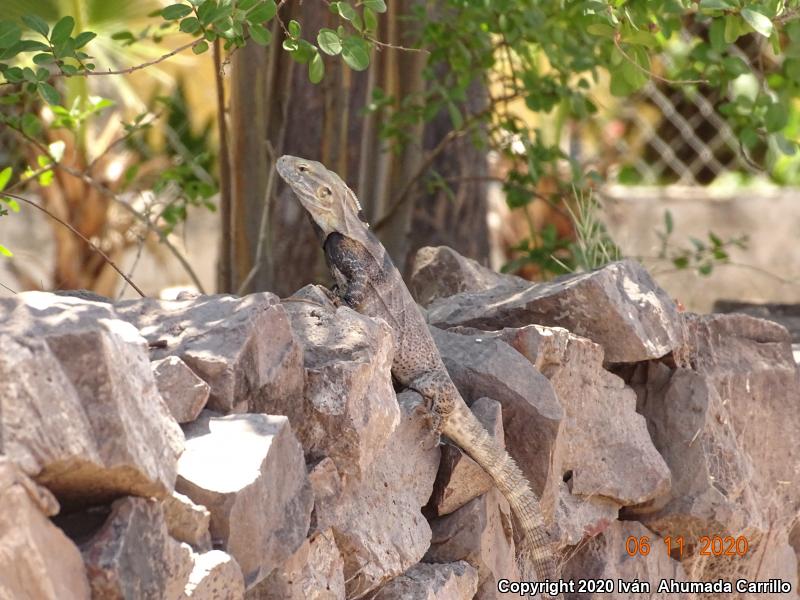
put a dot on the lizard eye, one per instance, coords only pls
(323, 192)
(302, 168)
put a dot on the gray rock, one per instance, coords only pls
(248, 470)
(749, 362)
(604, 444)
(215, 576)
(37, 561)
(481, 534)
(79, 408)
(348, 409)
(440, 271)
(452, 581)
(460, 479)
(618, 306)
(183, 391)
(242, 347)
(727, 427)
(376, 520)
(483, 366)
(188, 522)
(711, 473)
(314, 572)
(605, 557)
(133, 556)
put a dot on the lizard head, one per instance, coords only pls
(331, 204)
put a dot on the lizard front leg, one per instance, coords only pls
(352, 267)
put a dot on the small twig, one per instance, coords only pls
(225, 276)
(451, 136)
(3, 285)
(262, 229)
(650, 73)
(119, 140)
(109, 193)
(150, 63)
(133, 267)
(80, 235)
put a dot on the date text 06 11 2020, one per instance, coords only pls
(706, 545)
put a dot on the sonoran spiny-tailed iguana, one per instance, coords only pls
(369, 283)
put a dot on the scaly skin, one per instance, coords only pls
(368, 282)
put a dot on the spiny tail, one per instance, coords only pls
(535, 548)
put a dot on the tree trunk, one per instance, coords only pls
(275, 111)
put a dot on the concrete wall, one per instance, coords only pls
(769, 270)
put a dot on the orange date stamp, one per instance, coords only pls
(705, 545)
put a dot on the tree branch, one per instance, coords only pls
(80, 235)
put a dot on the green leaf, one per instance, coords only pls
(355, 52)
(601, 29)
(669, 224)
(370, 19)
(200, 48)
(294, 28)
(733, 28)
(173, 12)
(246, 4)
(6, 252)
(619, 85)
(378, 6)
(757, 21)
(31, 126)
(329, 41)
(715, 5)
(316, 69)
(84, 38)
(263, 12)
(455, 115)
(190, 25)
(260, 34)
(5, 177)
(48, 92)
(36, 23)
(346, 11)
(776, 117)
(61, 30)
(716, 34)
(9, 34)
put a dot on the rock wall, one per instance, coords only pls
(215, 447)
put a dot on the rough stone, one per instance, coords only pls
(618, 306)
(106, 432)
(183, 391)
(485, 366)
(749, 362)
(248, 470)
(440, 271)
(460, 479)
(604, 448)
(691, 427)
(37, 560)
(720, 425)
(314, 572)
(348, 410)
(481, 534)
(188, 522)
(133, 556)
(453, 581)
(243, 348)
(605, 557)
(377, 521)
(215, 576)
